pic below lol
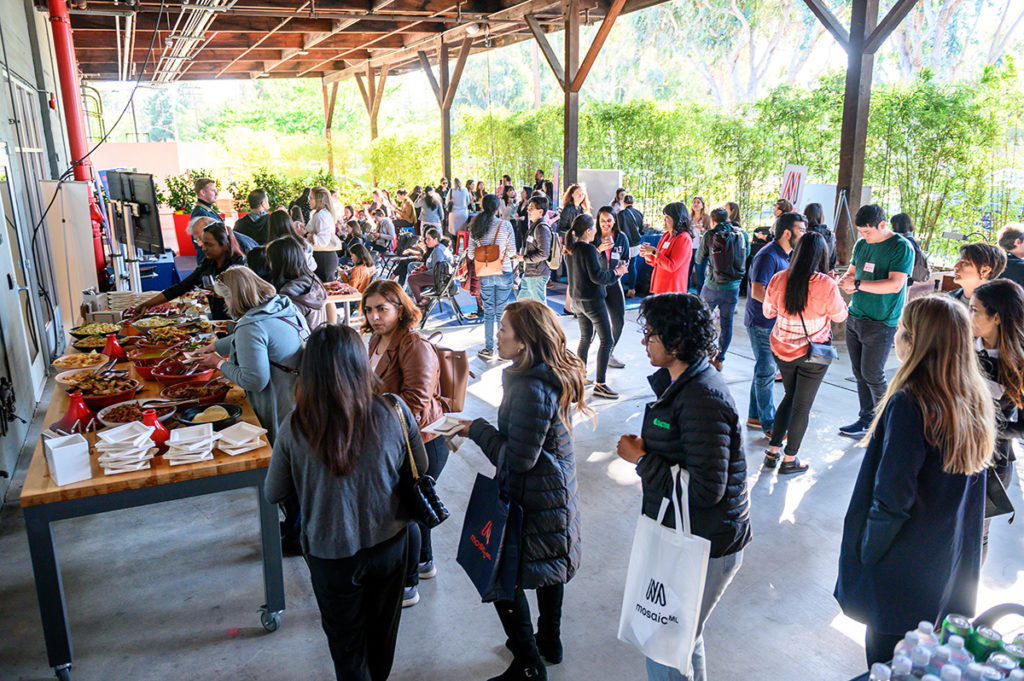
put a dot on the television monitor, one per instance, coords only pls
(138, 190)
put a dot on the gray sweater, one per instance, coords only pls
(263, 336)
(345, 514)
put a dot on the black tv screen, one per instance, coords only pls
(138, 189)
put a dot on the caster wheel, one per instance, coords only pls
(270, 620)
(63, 674)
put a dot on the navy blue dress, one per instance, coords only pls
(911, 546)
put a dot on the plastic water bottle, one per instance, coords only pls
(907, 645)
(921, 658)
(901, 668)
(940, 658)
(958, 654)
(1016, 675)
(927, 635)
(973, 672)
(950, 673)
(880, 672)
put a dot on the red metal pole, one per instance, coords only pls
(67, 68)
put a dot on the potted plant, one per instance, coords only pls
(181, 198)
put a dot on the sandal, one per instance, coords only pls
(790, 467)
(771, 460)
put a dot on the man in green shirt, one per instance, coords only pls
(876, 281)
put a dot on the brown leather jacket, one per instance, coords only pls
(410, 370)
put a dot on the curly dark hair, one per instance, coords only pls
(683, 323)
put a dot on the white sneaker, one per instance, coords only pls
(411, 597)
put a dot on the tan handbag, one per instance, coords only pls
(454, 377)
(488, 258)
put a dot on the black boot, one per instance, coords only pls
(549, 623)
(526, 660)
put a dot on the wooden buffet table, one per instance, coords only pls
(44, 502)
(345, 301)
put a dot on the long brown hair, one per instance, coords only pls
(1005, 298)
(944, 377)
(334, 397)
(539, 330)
(388, 289)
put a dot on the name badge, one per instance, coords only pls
(869, 267)
(616, 254)
(529, 239)
(667, 244)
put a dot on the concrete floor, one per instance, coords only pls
(170, 591)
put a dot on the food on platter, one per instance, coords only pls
(165, 335)
(191, 391)
(90, 342)
(73, 376)
(103, 386)
(211, 415)
(92, 359)
(130, 411)
(337, 287)
(153, 322)
(95, 328)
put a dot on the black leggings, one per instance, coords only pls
(615, 301)
(801, 381)
(878, 647)
(420, 548)
(593, 315)
(326, 265)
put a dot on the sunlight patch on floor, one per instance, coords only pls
(849, 628)
(797, 487)
(623, 472)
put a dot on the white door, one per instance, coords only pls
(22, 356)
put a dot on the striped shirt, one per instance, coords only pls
(499, 232)
(824, 306)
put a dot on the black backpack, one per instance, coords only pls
(727, 253)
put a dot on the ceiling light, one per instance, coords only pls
(302, 52)
(472, 29)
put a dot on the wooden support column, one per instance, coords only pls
(854, 135)
(446, 113)
(571, 63)
(328, 119)
(444, 90)
(372, 83)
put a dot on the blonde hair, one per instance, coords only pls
(242, 290)
(322, 199)
(943, 375)
(537, 327)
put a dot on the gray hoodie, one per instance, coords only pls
(262, 335)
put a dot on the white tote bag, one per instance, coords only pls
(665, 583)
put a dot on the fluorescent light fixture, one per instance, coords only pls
(302, 52)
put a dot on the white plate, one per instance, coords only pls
(191, 447)
(447, 425)
(240, 434)
(190, 459)
(241, 449)
(197, 433)
(129, 432)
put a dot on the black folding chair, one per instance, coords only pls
(445, 290)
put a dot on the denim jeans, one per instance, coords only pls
(726, 302)
(869, 343)
(700, 273)
(762, 387)
(535, 288)
(592, 316)
(720, 574)
(495, 290)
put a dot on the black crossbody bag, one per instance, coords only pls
(818, 353)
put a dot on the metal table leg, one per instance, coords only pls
(49, 590)
(273, 571)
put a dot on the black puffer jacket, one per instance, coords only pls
(542, 473)
(694, 424)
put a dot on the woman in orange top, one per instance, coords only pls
(363, 269)
(671, 259)
(805, 301)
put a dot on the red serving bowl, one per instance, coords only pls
(172, 392)
(96, 403)
(144, 366)
(169, 373)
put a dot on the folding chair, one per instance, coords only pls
(445, 289)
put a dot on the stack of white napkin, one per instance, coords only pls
(125, 448)
(241, 437)
(190, 445)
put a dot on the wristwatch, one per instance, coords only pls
(856, 284)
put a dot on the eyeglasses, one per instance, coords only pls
(648, 333)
